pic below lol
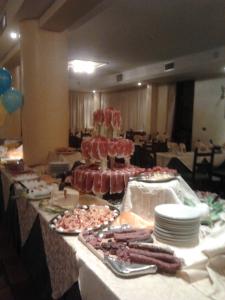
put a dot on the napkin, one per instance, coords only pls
(206, 266)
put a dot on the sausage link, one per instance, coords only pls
(162, 266)
(137, 235)
(153, 248)
(162, 256)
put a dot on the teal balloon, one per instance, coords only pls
(12, 100)
(5, 80)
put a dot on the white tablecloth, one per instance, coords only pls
(141, 197)
(187, 158)
(68, 260)
(27, 215)
(98, 282)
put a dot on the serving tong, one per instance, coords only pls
(112, 229)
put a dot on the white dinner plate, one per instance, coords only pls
(177, 212)
(175, 236)
(185, 243)
(177, 223)
(176, 232)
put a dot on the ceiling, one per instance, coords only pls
(132, 33)
(133, 36)
(19, 10)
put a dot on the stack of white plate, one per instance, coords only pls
(177, 224)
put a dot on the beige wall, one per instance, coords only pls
(209, 111)
(12, 126)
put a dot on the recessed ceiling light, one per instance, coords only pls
(93, 91)
(14, 35)
(139, 84)
(84, 66)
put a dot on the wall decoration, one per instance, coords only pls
(12, 100)
(5, 80)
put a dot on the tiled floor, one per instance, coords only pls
(14, 280)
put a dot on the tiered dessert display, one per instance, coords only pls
(101, 174)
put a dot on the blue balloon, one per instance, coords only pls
(5, 80)
(12, 100)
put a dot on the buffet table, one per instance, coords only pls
(187, 158)
(68, 260)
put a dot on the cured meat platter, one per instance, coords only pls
(84, 217)
(130, 252)
(156, 175)
(154, 179)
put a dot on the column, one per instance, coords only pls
(45, 114)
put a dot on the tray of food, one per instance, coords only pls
(84, 217)
(46, 205)
(26, 175)
(57, 207)
(156, 178)
(37, 189)
(156, 175)
(130, 252)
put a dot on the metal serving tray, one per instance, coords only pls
(120, 268)
(52, 223)
(127, 270)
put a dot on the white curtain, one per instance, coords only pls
(82, 106)
(171, 108)
(166, 97)
(135, 106)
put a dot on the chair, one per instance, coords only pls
(202, 169)
(176, 164)
(219, 172)
(130, 135)
(159, 146)
(147, 156)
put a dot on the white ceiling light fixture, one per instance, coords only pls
(93, 91)
(84, 66)
(14, 35)
(139, 83)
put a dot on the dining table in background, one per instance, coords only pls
(187, 158)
